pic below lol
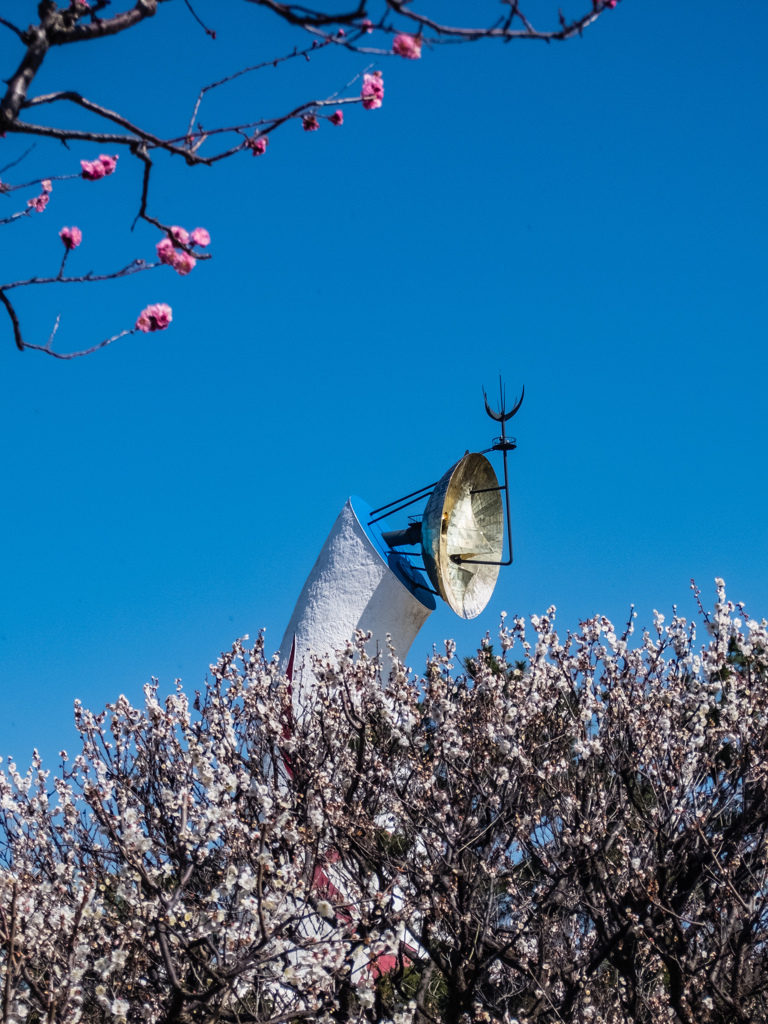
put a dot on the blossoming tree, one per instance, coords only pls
(576, 831)
(374, 31)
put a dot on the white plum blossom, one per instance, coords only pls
(325, 909)
(485, 846)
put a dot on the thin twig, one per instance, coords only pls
(245, 71)
(15, 216)
(135, 267)
(48, 350)
(38, 181)
(566, 31)
(18, 159)
(208, 31)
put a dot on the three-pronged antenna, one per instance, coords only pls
(502, 415)
(501, 444)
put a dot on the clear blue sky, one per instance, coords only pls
(588, 218)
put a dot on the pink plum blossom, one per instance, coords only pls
(337, 117)
(165, 251)
(183, 263)
(259, 146)
(39, 203)
(373, 91)
(93, 170)
(71, 237)
(407, 46)
(154, 318)
(46, 185)
(367, 24)
(109, 163)
(200, 237)
(310, 123)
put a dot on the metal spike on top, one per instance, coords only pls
(503, 443)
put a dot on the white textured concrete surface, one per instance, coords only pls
(351, 587)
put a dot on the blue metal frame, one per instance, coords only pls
(398, 562)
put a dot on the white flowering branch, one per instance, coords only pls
(573, 830)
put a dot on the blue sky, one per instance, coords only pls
(587, 218)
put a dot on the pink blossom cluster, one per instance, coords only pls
(181, 261)
(405, 45)
(40, 202)
(100, 168)
(258, 145)
(372, 92)
(71, 237)
(154, 318)
(311, 123)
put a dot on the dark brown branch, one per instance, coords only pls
(15, 216)
(63, 134)
(135, 267)
(295, 14)
(19, 83)
(56, 28)
(208, 31)
(109, 115)
(100, 27)
(314, 48)
(276, 123)
(17, 161)
(566, 31)
(14, 321)
(66, 134)
(142, 154)
(39, 181)
(9, 969)
(12, 27)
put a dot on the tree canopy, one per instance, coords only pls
(575, 831)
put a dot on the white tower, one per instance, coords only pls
(357, 582)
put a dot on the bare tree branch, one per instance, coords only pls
(207, 145)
